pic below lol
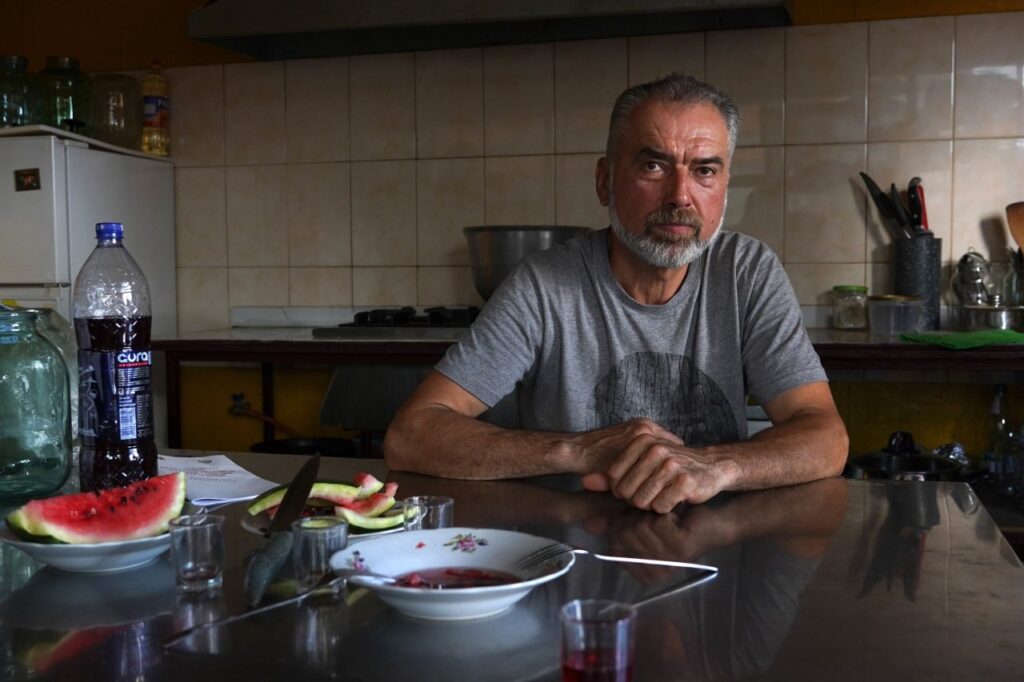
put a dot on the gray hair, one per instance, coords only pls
(674, 89)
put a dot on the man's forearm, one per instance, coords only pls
(441, 442)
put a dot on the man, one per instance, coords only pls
(633, 349)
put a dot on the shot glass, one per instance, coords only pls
(598, 640)
(314, 540)
(197, 552)
(428, 511)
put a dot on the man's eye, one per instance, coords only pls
(707, 171)
(652, 166)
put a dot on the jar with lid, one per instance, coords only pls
(65, 96)
(35, 402)
(16, 92)
(849, 306)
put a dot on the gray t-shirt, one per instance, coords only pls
(585, 355)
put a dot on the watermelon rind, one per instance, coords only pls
(334, 492)
(370, 523)
(372, 506)
(139, 510)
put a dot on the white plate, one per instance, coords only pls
(102, 557)
(483, 548)
(259, 524)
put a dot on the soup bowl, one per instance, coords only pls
(466, 553)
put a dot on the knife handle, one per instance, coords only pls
(266, 564)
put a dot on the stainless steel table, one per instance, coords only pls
(834, 580)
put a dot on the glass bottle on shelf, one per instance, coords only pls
(998, 431)
(117, 110)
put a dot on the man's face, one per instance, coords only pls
(667, 180)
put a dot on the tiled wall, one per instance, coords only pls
(346, 181)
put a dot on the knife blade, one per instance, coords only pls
(886, 211)
(900, 210)
(269, 559)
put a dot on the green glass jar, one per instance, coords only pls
(65, 96)
(35, 405)
(16, 92)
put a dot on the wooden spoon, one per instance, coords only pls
(1015, 218)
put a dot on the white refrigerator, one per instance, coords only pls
(54, 187)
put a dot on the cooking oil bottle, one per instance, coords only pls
(156, 94)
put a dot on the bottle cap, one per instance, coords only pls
(109, 230)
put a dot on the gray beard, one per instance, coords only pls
(658, 251)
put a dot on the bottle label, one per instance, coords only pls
(115, 395)
(154, 111)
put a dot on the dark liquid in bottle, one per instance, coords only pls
(115, 402)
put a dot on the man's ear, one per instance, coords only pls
(603, 180)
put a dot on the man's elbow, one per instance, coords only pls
(398, 455)
(839, 446)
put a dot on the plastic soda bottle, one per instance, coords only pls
(113, 320)
(156, 127)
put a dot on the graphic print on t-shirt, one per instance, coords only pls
(670, 390)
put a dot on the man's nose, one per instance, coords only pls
(677, 193)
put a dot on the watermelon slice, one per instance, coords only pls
(381, 522)
(374, 505)
(138, 510)
(334, 492)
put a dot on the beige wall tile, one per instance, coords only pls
(197, 119)
(987, 176)
(320, 287)
(653, 57)
(910, 79)
(257, 216)
(449, 103)
(750, 67)
(384, 286)
(449, 197)
(589, 75)
(317, 109)
(254, 119)
(383, 114)
(881, 279)
(756, 195)
(519, 99)
(824, 212)
(446, 286)
(202, 299)
(813, 282)
(576, 201)
(258, 286)
(384, 213)
(200, 223)
(319, 214)
(989, 99)
(897, 162)
(826, 83)
(520, 190)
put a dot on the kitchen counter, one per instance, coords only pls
(834, 580)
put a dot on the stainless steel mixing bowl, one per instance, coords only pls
(495, 250)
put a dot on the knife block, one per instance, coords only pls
(919, 273)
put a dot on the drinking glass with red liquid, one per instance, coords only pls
(598, 639)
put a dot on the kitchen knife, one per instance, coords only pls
(269, 559)
(886, 212)
(914, 201)
(900, 210)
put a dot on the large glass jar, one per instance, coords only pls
(65, 96)
(16, 96)
(117, 110)
(35, 404)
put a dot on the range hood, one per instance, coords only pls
(292, 29)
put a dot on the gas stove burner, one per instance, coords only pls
(406, 316)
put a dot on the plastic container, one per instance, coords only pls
(849, 306)
(117, 110)
(156, 124)
(16, 92)
(115, 400)
(65, 96)
(890, 316)
(35, 404)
